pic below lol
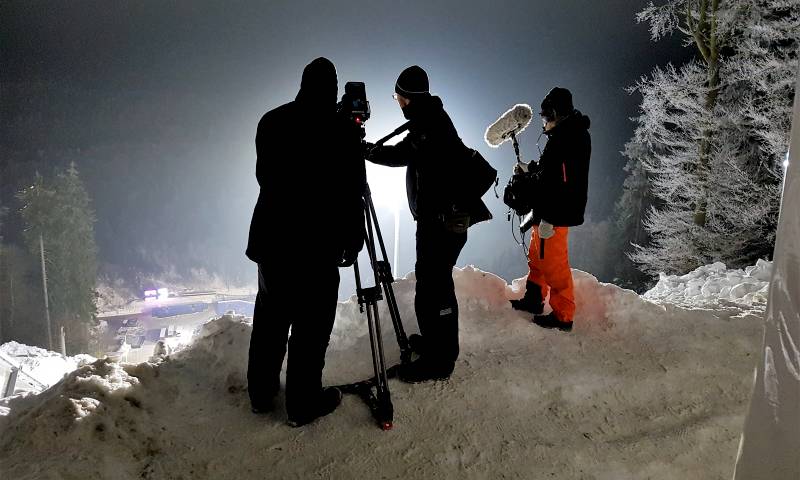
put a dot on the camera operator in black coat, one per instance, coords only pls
(308, 221)
(431, 152)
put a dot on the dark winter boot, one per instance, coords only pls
(423, 370)
(532, 302)
(329, 399)
(264, 407)
(551, 321)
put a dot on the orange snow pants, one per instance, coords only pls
(552, 273)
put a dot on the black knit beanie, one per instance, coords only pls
(413, 81)
(558, 100)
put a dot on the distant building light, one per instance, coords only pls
(150, 293)
(163, 293)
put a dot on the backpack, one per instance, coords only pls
(474, 177)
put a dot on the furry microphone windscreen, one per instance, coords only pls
(515, 120)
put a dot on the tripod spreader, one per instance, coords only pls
(367, 296)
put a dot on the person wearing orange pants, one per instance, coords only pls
(549, 272)
(557, 188)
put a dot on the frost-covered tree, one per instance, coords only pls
(60, 212)
(717, 128)
(629, 214)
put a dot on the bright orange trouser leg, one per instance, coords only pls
(552, 273)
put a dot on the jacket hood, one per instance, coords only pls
(422, 106)
(575, 121)
(319, 85)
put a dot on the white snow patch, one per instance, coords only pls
(637, 390)
(43, 365)
(716, 286)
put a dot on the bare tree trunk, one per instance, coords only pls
(706, 37)
(704, 170)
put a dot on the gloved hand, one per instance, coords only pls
(546, 230)
(521, 167)
(349, 257)
(366, 149)
(354, 242)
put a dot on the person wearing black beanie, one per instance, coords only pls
(431, 153)
(560, 193)
(412, 82)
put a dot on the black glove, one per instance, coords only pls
(366, 149)
(353, 243)
(349, 257)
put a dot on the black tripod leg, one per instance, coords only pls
(386, 279)
(384, 412)
(394, 313)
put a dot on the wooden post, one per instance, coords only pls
(46, 301)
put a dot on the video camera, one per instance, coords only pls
(354, 104)
(521, 188)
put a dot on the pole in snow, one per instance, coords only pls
(396, 265)
(63, 342)
(46, 301)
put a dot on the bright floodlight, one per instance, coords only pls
(388, 185)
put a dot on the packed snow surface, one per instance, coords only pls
(640, 389)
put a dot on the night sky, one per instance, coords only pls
(158, 102)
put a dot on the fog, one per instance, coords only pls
(157, 104)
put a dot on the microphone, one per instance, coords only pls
(513, 122)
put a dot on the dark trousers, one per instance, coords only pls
(285, 302)
(435, 302)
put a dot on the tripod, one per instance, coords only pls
(375, 391)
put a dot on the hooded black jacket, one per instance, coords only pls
(432, 152)
(561, 191)
(311, 179)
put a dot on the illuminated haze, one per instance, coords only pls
(157, 103)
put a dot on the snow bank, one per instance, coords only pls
(43, 365)
(715, 285)
(635, 391)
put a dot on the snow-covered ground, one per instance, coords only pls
(39, 368)
(640, 389)
(715, 286)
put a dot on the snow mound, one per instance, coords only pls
(626, 395)
(716, 286)
(43, 365)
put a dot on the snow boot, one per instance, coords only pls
(532, 302)
(423, 370)
(329, 399)
(551, 321)
(265, 402)
(263, 408)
